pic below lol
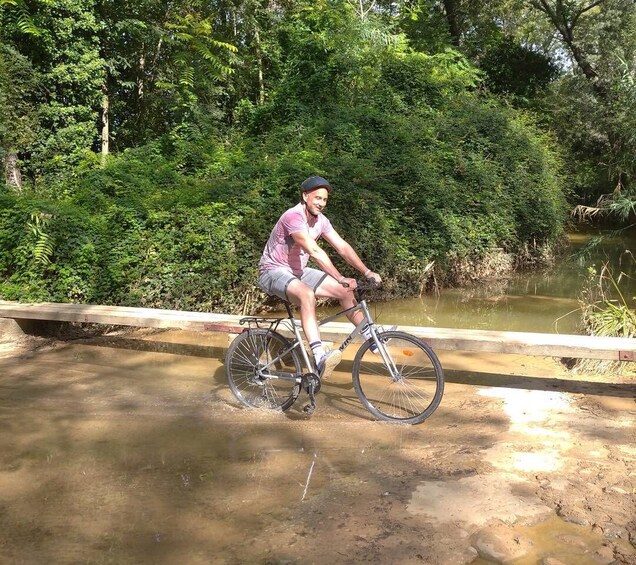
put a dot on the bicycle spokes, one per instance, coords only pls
(262, 369)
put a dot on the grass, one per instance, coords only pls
(607, 312)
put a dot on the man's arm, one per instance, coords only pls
(349, 254)
(317, 254)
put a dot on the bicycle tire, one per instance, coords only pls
(420, 386)
(246, 352)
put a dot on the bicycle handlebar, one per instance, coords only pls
(368, 284)
(363, 286)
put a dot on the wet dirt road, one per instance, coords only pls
(131, 449)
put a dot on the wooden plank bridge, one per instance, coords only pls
(524, 343)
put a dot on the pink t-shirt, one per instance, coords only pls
(281, 250)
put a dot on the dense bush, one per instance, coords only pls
(410, 189)
(186, 258)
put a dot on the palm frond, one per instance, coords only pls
(43, 247)
(19, 15)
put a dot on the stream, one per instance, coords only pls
(540, 300)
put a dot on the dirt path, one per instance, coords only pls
(131, 449)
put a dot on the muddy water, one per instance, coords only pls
(543, 300)
(130, 449)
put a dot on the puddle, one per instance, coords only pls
(565, 542)
(500, 516)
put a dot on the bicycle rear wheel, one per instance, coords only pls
(408, 393)
(254, 385)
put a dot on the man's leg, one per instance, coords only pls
(304, 296)
(331, 288)
(282, 283)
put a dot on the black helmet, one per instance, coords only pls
(312, 183)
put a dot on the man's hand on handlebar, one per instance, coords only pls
(348, 283)
(374, 278)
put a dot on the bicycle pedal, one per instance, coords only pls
(309, 409)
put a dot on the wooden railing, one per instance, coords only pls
(525, 343)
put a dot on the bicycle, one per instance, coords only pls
(402, 382)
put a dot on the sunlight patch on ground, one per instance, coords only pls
(7, 349)
(536, 423)
(476, 500)
(519, 457)
(537, 443)
(627, 452)
(526, 406)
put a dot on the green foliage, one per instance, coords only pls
(194, 59)
(187, 257)
(43, 246)
(573, 61)
(426, 168)
(18, 120)
(16, 13)
(64, 53)
(594, 104)
(512, 68)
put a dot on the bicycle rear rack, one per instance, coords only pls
(262, 323)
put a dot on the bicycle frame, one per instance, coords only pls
(295, 326)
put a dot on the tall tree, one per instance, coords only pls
(18, 119)
(600, 39)
(162, 61)
(565, 17)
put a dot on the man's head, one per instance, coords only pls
(315, 193)
(312, 183)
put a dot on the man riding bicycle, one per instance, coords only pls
(283, 270)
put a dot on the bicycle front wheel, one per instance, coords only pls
(408, 388)
(254, 379)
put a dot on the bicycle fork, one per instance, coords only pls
(380, 344)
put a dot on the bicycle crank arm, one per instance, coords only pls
(311, 383)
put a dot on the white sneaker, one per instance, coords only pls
(328, 363)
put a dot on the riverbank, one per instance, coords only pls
(130, 448)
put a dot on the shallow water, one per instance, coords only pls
(131, 449)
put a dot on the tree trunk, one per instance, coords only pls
(259, 59)
(451, 8)
(12, 174)
(141, 76)
(565, 23)
(587, 69)
(105, 124)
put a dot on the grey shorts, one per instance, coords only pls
(276, 281)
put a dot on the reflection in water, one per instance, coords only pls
(543, 300)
